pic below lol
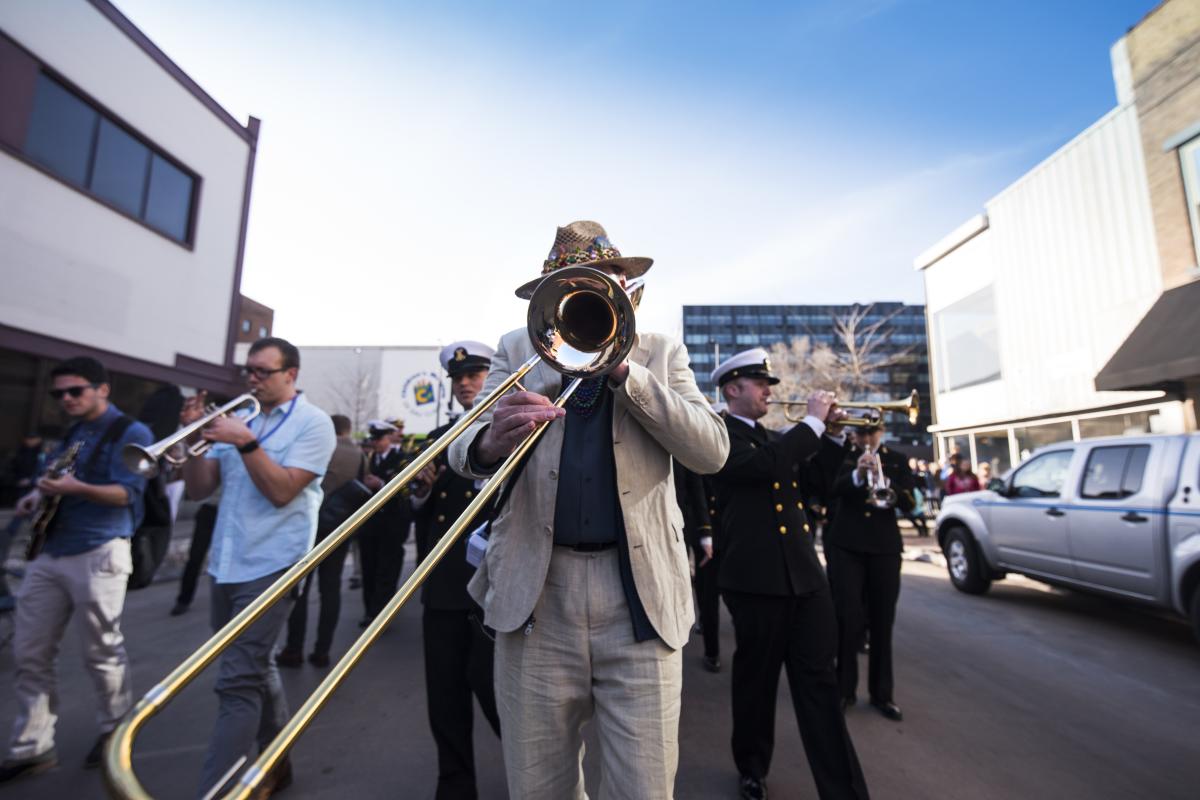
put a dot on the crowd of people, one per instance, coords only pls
(583, 601)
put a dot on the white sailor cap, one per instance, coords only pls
(752, 363)
(377, 428)
(465, 356)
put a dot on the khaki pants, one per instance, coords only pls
(92, 584)
(578, 662)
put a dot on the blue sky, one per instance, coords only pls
(416, 157)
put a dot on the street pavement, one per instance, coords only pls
(1026, 692)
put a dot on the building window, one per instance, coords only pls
(965, 342)
(1189, 156)
(1035, 436)
(85, 147)
(245, 326)
(991, 447)
(262, 331)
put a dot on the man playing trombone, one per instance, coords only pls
(268, 470)
(586, 575)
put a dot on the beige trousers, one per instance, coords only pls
(576, 662)
(91, 587)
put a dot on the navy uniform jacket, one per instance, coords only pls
(860, 525)
(764, 534)
(393, 519)
(446, 588)
(690, 494)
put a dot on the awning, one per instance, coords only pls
(1164, 348)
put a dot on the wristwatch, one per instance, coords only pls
(248, 447)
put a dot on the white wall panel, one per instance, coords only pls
(1070, 251)
(73, 269)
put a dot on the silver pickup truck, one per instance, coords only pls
(1118, 516)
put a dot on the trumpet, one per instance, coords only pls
(871, 413)
(882, 495)
(144, 460)
(581, 323)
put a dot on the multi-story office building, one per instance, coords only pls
(124, 198)
(713, 333)
(1068, 309)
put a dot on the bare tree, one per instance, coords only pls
(356, 393)
(854, 367)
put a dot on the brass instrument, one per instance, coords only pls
(581, 323)
(882, 495)
(872, 412)
(144, 460)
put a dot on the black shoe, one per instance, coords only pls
(889, 710)
(287, 657)
(179, 608)
(276, 781)
(95, 756)
(11, 770)
(318, 659)
(712, 663)
(752, 788)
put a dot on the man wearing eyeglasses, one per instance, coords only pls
(268, 469)
(84, 563)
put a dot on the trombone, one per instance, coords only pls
(872, 413)
(581, 323)
(143, 461)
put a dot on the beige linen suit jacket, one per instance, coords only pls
(658, 412)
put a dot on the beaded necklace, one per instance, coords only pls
(585, 400)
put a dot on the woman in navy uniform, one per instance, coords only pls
(863, 549)
(773, 583)
(458, 653)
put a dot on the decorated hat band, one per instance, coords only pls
(600, 249)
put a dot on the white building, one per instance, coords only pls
(1033, 305)
(124, 194)
(366, 383)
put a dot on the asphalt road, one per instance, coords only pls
(1025, 692)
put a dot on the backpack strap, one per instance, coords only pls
(114, 431)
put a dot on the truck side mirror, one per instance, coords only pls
(997, 485)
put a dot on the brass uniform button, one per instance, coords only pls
(442, 495)
(470, 493)
(783, 528)
(795, 485)
(775, 485)
(866, 513)
(779, 507)
(806, 528)
(441, 518)
(800, 506)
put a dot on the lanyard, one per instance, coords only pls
(286, 414)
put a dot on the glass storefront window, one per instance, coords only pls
(991, 448)
(1116, 425)
(1035, 436)
(955, 444)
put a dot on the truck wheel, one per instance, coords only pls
(964, 563)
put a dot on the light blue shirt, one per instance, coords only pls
(252, 537)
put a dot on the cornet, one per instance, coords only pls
(871, 413)
(144, 460)
(882, 495)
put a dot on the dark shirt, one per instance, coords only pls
(81, 525)
(587, 509)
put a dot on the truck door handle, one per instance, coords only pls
(1133, 516)
(1054, 512)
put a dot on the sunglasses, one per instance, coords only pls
(262, 373)
(74, 391)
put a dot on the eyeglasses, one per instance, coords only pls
(262, 373)
(74, 391)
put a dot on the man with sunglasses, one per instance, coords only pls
(268, 470)
(84, 565)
